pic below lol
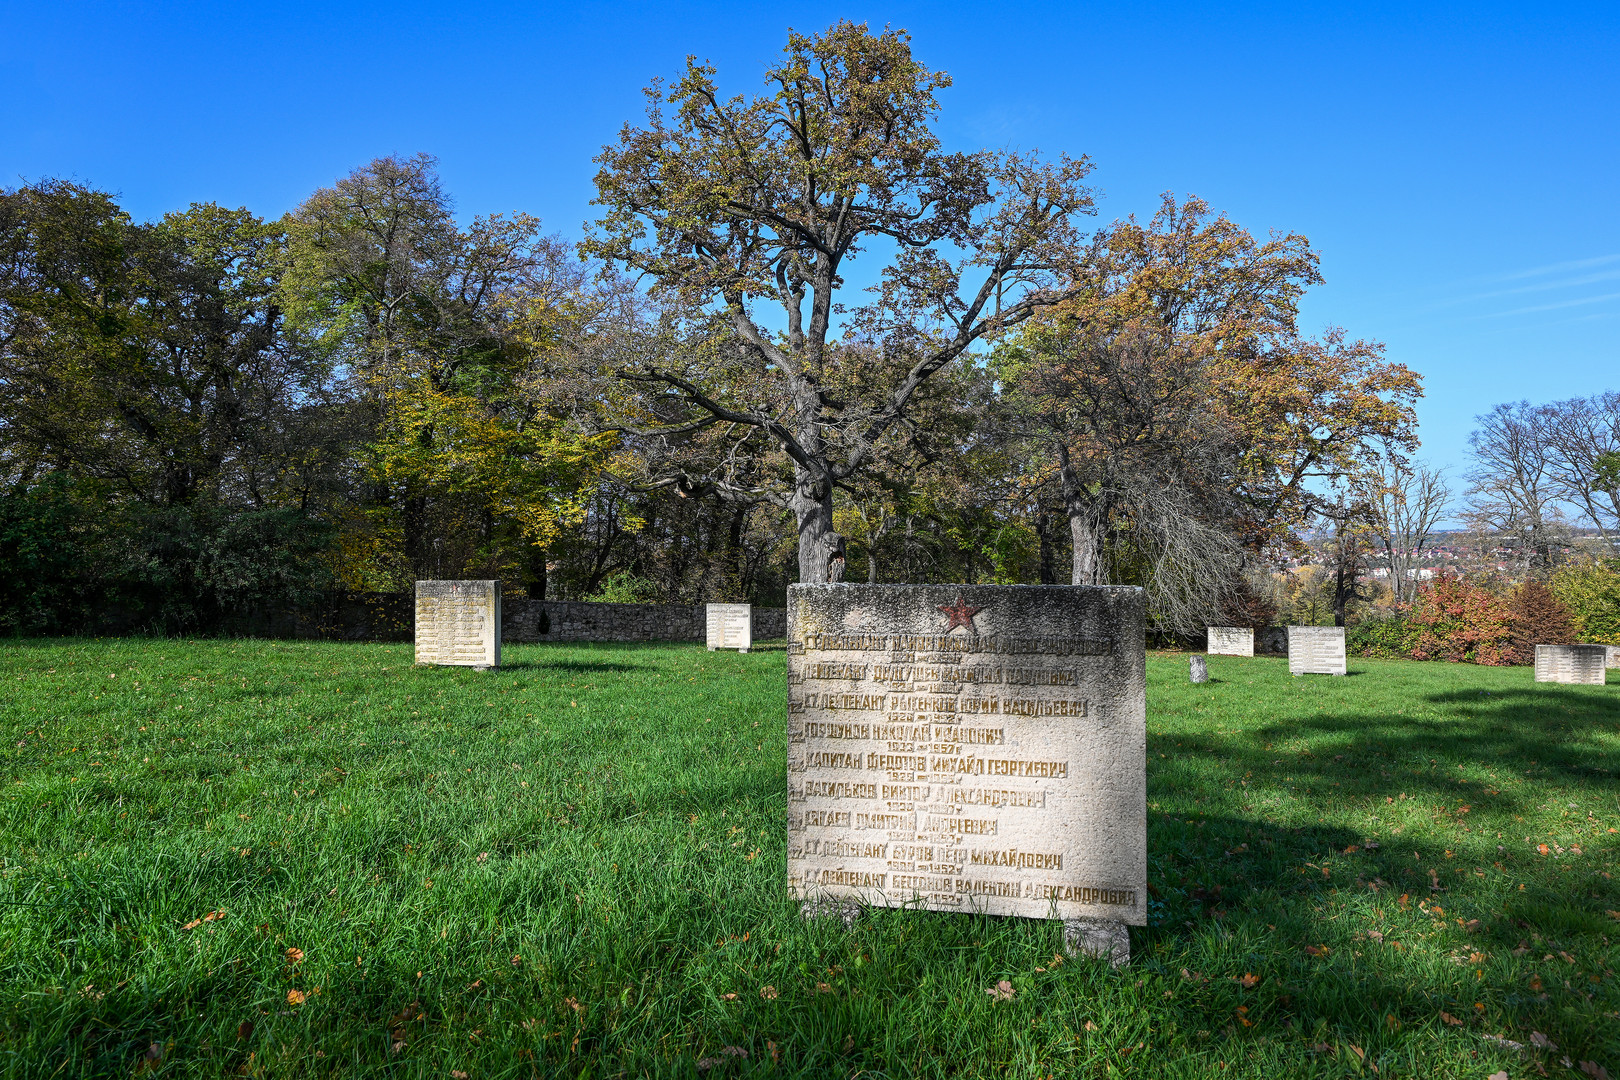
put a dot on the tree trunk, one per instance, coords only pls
(1043, 530)
(1087, 568)
(1078, 504)
(818, 543)
(537, 572)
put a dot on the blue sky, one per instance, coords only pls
(1458, 168)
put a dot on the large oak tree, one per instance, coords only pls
(750, 211)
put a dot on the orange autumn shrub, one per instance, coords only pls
(1462, 623)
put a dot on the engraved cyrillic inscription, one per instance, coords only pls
(458, 623)
(990, 741)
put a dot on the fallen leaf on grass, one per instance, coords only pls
(1090, 1026)
(517, 961)
(215, 915)
(295, 997)
(1247, 980)
(823, 988)
(295, 956)
(1002, 991)
(728, 997)
(1500, 1074)
(1375, 935)
(244, 1030)
(572, 1004)
(1535, 983)
(1541, 1042)
(1594, 1070)
(1449, 1019)
(1317, 950)
(457, 1074)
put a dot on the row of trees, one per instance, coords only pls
(802, 341)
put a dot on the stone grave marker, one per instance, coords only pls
(1572, 664)
(974, 748)
(1197, 669)
(1611, 656)
(1316, 650)
(458, 623)
(1231, 641)
(730, 626)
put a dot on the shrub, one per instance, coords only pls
(624, 587)
(1537, 617)
(1591, 592)
(1391, 637)
(1453, 620)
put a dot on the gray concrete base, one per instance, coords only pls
(1104, 939)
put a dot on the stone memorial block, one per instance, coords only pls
(1611, 656)
(1316, 650)
(1231, 641)
(458, 622)
(972, 748)
(1572, 664)
(730, 626)
(1197, 669)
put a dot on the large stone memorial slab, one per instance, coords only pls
(1572, 663)
(1231, 641)
(730, 626)
(1316, 650)
(974, 748)
(459, 623)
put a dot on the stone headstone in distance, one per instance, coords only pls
(970, 749)
(1316, 650)
(458, 623)
(1231, 640)
(729, 626)
(1199, 669)
(1578, 664)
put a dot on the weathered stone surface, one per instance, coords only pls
(1198, 669)
(1231, 641)
(1611, 656)
(1572, 664)
(973, 748)
(458, 622)
(1316, 650)
(1271, 641)
(730, 626)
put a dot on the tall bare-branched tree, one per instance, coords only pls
(1514, 487)
(753, 209)
(1405, 504)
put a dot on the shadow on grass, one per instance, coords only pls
(574, 666)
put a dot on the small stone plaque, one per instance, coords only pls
(458, 623)
(1316, 650)
(1231, 641)
(730, 626)
(974, 748)
(1584, 664)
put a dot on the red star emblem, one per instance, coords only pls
(959, 614)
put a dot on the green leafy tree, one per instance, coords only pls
(740, 207)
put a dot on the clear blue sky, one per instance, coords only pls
(1457, 168)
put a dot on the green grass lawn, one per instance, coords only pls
(575, 865)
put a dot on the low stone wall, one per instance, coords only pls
(578, 620)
